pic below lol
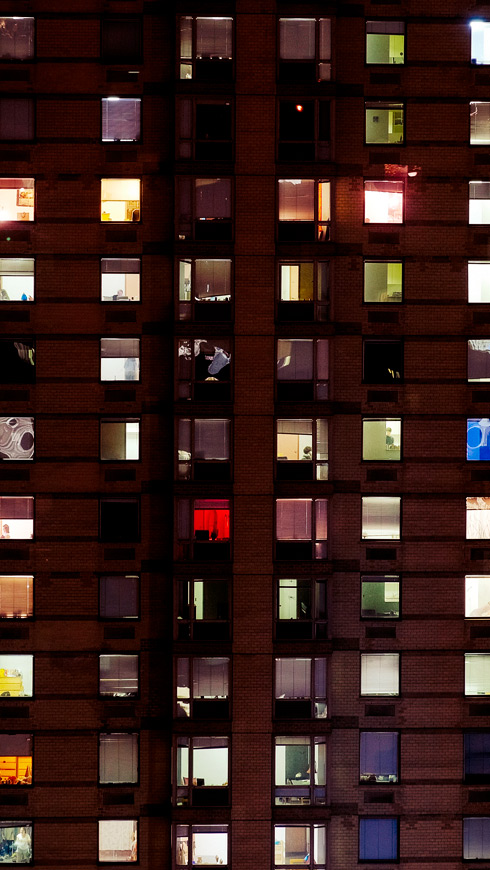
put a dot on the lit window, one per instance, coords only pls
(476, 674)
(383, 202)
(120, 279)
(203, 529)
(16, 199)
(16, 279)
(118, 759)
(119, 596)
(378, 839)
(203, 369)
(303, 291)
(300, 764)
(203, 688)
(121, 40)
(15, 759)
(16, 438)
(478, 517)
(477, 596)
(378, 756)
(204, 290)
(477, 757)
(121, 121)
(304, 210)
(203, 610)
(204, 209)
(304, 130)
(16, 672)
(479, 359)
(383, 361)
(305, 844)
(380, 597)
(479, 212)
(385, 42)
(119, 359)
(301, 609)
(477, 445)
(480, 42)
(381, 439)
(205, 129)
(17, 361)
(302, 449)
(120, 199)
(118, 841)
(383, 281)
(16, 118)
(119, 520)
(203, 449)
(380, 674)
(301, 688)
(201, 844)
(119, 439)
(17, 839)
(384, 123)
(479, 123)
(16, 38)
(476, 838)
(16, 518)
(202, 774)
(305, 49)
(479, 280)
(381, 517)
(16, 596)
(302, 369)
(118, 676)
(206, 52)
(301, 528)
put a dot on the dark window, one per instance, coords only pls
(15, 759)
(119, 520)
(121, 40)
(383, 362)
(118, 759)
(204, 209)
(203, 449)
(203, 688)
(119, 596)
(301, 688)
(304, 130)
(379, 756)
(16, 38)
(302, 369)
(118, 676)
(16, 118)
(206, 52)
(203, 369)
(17, 357)
(301, 609)
(121, 119)
(378, 839)
(477, 757)
(204, 290)
(205, 129)
(476, 838)
(203, 610)
(202, 774)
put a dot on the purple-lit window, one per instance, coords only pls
(121, 119)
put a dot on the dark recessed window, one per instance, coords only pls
(16, 118)
(118, 758)
(203, 449)
(205, 129)
(383, 361)
(119, 520)
(304, 130)
(119, 596)
(121, 40)
(204, 209)
(118, 676)
(302, 369)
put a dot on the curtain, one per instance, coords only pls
(293, 678)
(379, 753)
(212, 439)
(210, 678)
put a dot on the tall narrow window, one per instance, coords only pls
(16, 38)
(480, 42)
(300, 765)
(381, 439)
(16, 676)
(119, 359)
(202, 774)
(304, 210)
(477, 757)
(120, 199)
(478, 517)
(381, 517)
(383, 202)
(203, 688)
(301, 609)
(118, 841)
(204, 290)
(301, 528)
(206, 52)
(16, 438)
(379, 756)
(204, 209)
(383, 281)
(16, 199)
(380, 674)
(203, 449)
(118, 758)
(119, 439)
(476, 674)
(302, 369)
(479, 123)
(121, 119)
(385, 42)
(16, 596)
(16, 517)
(118, 676)
(479, 211)
(305, 49)
(476, 838)
(120, 279)
(301, 688)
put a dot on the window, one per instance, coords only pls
(477, 432)
(381, 517)
(479, 123)
(118, 759)
(300, 844)
(120, 439)
(381, 439)
(302, 369)
(480, 42)
(479, 360)
(205, 129)
(380, 674)
(476, 757)
(15, 759)
(206, 53)
(121, 119)
(378, 756)
(301, 609)
(203, 449)
(378, 839)
(16, 840)
(209, 680)
(302, 449)
(120, 199)
(304, 210)
(478, 517)
(119, 520)
(201, 844)
(118, 676)
(479, 212)
(476, 838)
(477, 596)
(16, 673)
(300, 764)
(301, 688)
(380, 597)
(120, 280)
(305, 50)
(203, 529)
(203, 369)
(203, 610)
(16, 517)
(384, 123)
(479, 281)
(119, 359)
(301, 528)
(17, 358)
(16, 199)
(119, 596)
(16, 279)
(16, 596)
(383, 361)
(383, 202)
(476, 674)
(16, 118)
(204, 209)
(118, 840)
(385, 42)
(383, 281)
(16, 38)
(204, 290)
(303, 291)
(304, 130)
(202, 771)
(16, 438)
(121, 40)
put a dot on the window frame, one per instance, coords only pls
(21, 459)
(319, 386)
(470, 115)
(312, 857)
(137, 20)
(318, 625)
(26, 785)
(193, 140)
(379, 261)
(474, 61)
(99, 861)
(192, 829)
(31, 617)
(20, 301)
(382, 819)
(309, 800)
(133, 498)
(140, 273)
(223, 791)
(486, 200)
(192, 384)
(139, 339)
(15, 823)
(193, 304)
(122, 619)
(31, 57)
(321, 228)
(21, 98)
(475, 778)
(185, 548)
(366, 538)
(116, 419)
(319, 547)
(16, 220)
(191, 620)
(194, 236)
(314, 464)
(384, 180)
(117, 698)
(375, 783)
(469, 819)
(291, 712)
(24, 697)
(374, 340)
(120, 143)
(225, 714)
(107, 785)
(316, 141)
(7, 520)
(225, 464)
(401, 21)
(132, 222)
(386, 105)
(320, 308)
(386, 420)
(378, 578)
(180, 60)
(388, 695)
(315, 62)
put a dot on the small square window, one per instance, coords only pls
(15, 759)
(121, 119)
(383, 361)
(120, 199)
(380, 674)
(378, 756)
(300, 765)
(119, 596)
(119, 520)
(119, 359)
(16, 38)
(203, 529)
(206, 48)
(120, 439)
(201, 844)
(302, 369)
(205, 129)
(120, 279)
(479, 123)
(478, 517)
(385, 42)
(476, 674)
(16, 199)
(383, 202)
(204, 369)
(305, 50)
(203, 449)
(204, 209)
(16, 676)
(302, 449)
(301, 528)
(118, 759)
(480, 42)
(16, 118)
(381, 517)
(476, 838)
(16, 279)
(16, 596)
(118, 676)
(301, 688)
(16, 438)
(203, 688)
(17, 837)
(477, 438)
(304, 210)
(385, 123)
(477, 757)
(205, 290)
(202, 774)
(378, 839)
(381, 439)
(16, 517)
(203, 610)
(301, 609)
(121, 40)
(380, 597)
(383, 281)
(118, 841)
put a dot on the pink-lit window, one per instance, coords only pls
(304, 210)
(383, 202)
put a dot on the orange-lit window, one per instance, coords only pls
(304, 210)
(15, 759)
(383, 202)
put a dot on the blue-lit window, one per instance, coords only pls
(378, 839)
(477, 757)
(480, 42)
(476, 838)
(478, 438)
(379, 756)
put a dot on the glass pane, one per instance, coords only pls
(380, 674)
(16, 596)
(383, 202)
(384, 123)
(381, 517)
(479, 360)
(479, 281)
(16, 198)
(294, 359)
(480, 41)
(16, 673)
(118, 840)
(120, 199)
(381, 598)
(16, 38)
(16, 840)
(296, 199)
(121, 119)
(478, 517)
(383, 281)
(479, 123)
(297, 38)
(477, 596)
(381, 440)
(295, 440)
